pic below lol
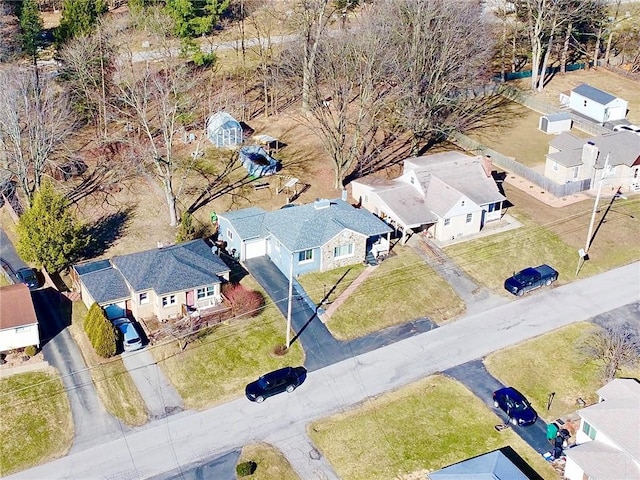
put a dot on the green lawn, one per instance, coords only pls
(401, 289)
(552, 363)
(271, 463)
(423, 427)
(217, 366)
(331, 283)
(36, 423)
(113, 383)
(490, 260)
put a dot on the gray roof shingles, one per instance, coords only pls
(623, 148)
(171, 269)
(592, 93)
(305, 226)
(106, 285)
(247, 222)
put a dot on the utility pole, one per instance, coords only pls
(584, 253)
(289, 304)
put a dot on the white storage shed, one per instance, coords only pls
(555, 122)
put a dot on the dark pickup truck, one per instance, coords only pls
(529, 279)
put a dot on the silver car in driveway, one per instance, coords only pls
(131, 339)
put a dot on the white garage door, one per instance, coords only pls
(255, 249)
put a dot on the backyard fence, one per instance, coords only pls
(511, 165)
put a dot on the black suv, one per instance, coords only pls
(286, 379)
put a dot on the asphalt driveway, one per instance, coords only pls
(477, 379)
(320, 347)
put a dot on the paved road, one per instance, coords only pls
(176, 441)
(9, 257)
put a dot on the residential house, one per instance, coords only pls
(18, 321)
(164, 282)
(573, 159)
(595, 104)
(299, 239)
(489, 466)
(608, 440)
(448, 194)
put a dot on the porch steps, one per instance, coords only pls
(370, 259)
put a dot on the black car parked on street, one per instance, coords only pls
(286, 379)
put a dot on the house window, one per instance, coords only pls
(143, 298)
(555, 167)
(493, 207)
(469, 217)
(229, 234)
(589, 430)
(575, 172)
(305, 256)
(168, 301)
(205, 292)
(411, 180)
(447, 221)
(343, 251)
(635, 173)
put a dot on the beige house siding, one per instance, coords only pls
(329, 262)
(457, 227)
(170, 310)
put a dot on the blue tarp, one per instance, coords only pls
(257, 161)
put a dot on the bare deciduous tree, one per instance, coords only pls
(159, 100)
(9, 30)
(615, 346)
(33, 127)
(87, 68)
(438, 52)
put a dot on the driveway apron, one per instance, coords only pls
(159, 395)
(476, 378)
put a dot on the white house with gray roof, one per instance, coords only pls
(163, 282)
(596, 104)
(574, 159)
(608, 441)
(448, 194)
(318, 236)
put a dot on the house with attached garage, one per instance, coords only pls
(164, 282)
(449, 195)
(18, 321)
(608, 440)
(573, 159)
(300, 239)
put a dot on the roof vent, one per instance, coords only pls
(321, 203)
(160, 244)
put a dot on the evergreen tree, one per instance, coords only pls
(106, 337)
(49, 234)
(79, 18)
(194, 18)
(31, 26)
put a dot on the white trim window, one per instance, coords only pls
(229, 234)
(143, 298)
(205, 292)
(168, 301)
(343, 251)
(305, 256)
(447, 221)
(469, 217)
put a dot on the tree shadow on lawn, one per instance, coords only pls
(106, 230)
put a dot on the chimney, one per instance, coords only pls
(344, 195)
(487, 165)
(321, 203)
(590, 154)
(160, 244)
